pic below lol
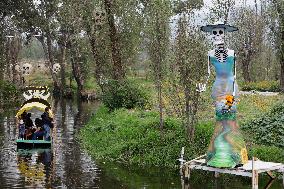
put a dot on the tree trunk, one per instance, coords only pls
(2, 53)
(62, 70)
(282, 58)
(245, 69)
(118, 69)
(98, 69)
(77, 72)
(160, 105)
(51, 63)
(279, 7)
(15, 49)
(187, 113)
(7, 55)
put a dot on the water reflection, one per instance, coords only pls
(36, 167)
(66, 165)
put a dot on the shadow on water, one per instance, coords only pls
(66, 165)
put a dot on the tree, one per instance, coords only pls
(221, 9)
(158, 34)
(279, 31)
(248, 41)
(191, 60)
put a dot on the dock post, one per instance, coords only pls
(186, 173)
(254, 175)
(283, 178)
(216, 174)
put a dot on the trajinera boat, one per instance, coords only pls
(36, 135)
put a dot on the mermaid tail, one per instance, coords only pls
(227, 148)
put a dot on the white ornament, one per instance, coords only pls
(56, 68)
(36, 92)
(27, 69)
(99, 17)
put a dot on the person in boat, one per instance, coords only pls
(28, 121)
(29, 125)
(22, 129)
(47, 123)
(39, 131)
(23, 115)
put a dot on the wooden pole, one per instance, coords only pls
(254, 175)
(283, 179)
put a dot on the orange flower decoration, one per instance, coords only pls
(230, 100)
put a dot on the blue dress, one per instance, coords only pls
(227, 147)
(224, 83)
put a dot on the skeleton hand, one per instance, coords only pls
(200, 87)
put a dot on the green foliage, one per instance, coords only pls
(8, 92)
(33, 50)
(267, 153)
(268, 129)
(203, 134)
(133, 137)
(123, 94)
(272, 86)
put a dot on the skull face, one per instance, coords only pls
(27, 69)
(56, 68)
(99, 17)
(218, 36)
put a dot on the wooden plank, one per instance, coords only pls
(253, 172)
(275, 168)
(229, 171)
(195, 159)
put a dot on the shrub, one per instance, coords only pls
(8, 91)
(267, 153)
(269, 128)
(272, 86)
(134, 137)
(126, 94)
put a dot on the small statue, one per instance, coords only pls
(227, 147)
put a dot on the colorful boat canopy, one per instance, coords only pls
(37, 103)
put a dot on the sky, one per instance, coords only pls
(238, 2)
(203, 13)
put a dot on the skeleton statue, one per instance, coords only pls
(27, 69)
(56, 68)
(227, 147)
(99, 17)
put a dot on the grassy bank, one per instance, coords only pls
(133, 136)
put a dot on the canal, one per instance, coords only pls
(67, 165)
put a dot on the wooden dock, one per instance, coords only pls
(252, 169)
